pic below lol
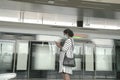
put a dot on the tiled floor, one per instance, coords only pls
(62, 79)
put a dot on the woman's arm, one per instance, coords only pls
(58, 45)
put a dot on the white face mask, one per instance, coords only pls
(65, 36)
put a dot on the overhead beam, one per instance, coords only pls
(105, 1)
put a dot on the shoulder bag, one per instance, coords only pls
(70, 62)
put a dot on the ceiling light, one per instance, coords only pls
(51, 1)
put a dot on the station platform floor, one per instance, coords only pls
(62, 79)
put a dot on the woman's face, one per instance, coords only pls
(65, 35)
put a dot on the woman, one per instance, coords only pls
(68, 49)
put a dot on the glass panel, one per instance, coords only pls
(103, 59)
(43, 57)
(118, 57)
(22, 56)
(89, 63)
(77, 50)
(108, 53)
(6, 55)
(78, 56)
(78, 64)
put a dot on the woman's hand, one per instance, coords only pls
(58, 44)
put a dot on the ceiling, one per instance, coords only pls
(94, 4)
(62, 7)
(42, 8)
(26, 6)
(69, 7)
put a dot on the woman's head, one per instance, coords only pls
(68, 32)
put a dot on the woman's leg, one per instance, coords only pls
(66, 76)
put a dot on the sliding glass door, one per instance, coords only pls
(92, 61)
(89, 61)
(104, 64)
(6, 56)
(43, 56)
(22, 50)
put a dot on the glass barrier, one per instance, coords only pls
(43, 56)
(103, 59)
(78, 52)
(6, 56)
(22, 56)
(89, 58)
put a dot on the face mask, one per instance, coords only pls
(65, 36)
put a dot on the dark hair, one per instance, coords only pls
(69, 32)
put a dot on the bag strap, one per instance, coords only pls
(72, 44)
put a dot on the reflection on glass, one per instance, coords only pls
(103, 59)
(6, 55)
(118, 57)
(43, 57)
(89, 66)
(22, 56)
(78, 64)
(77, 52)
